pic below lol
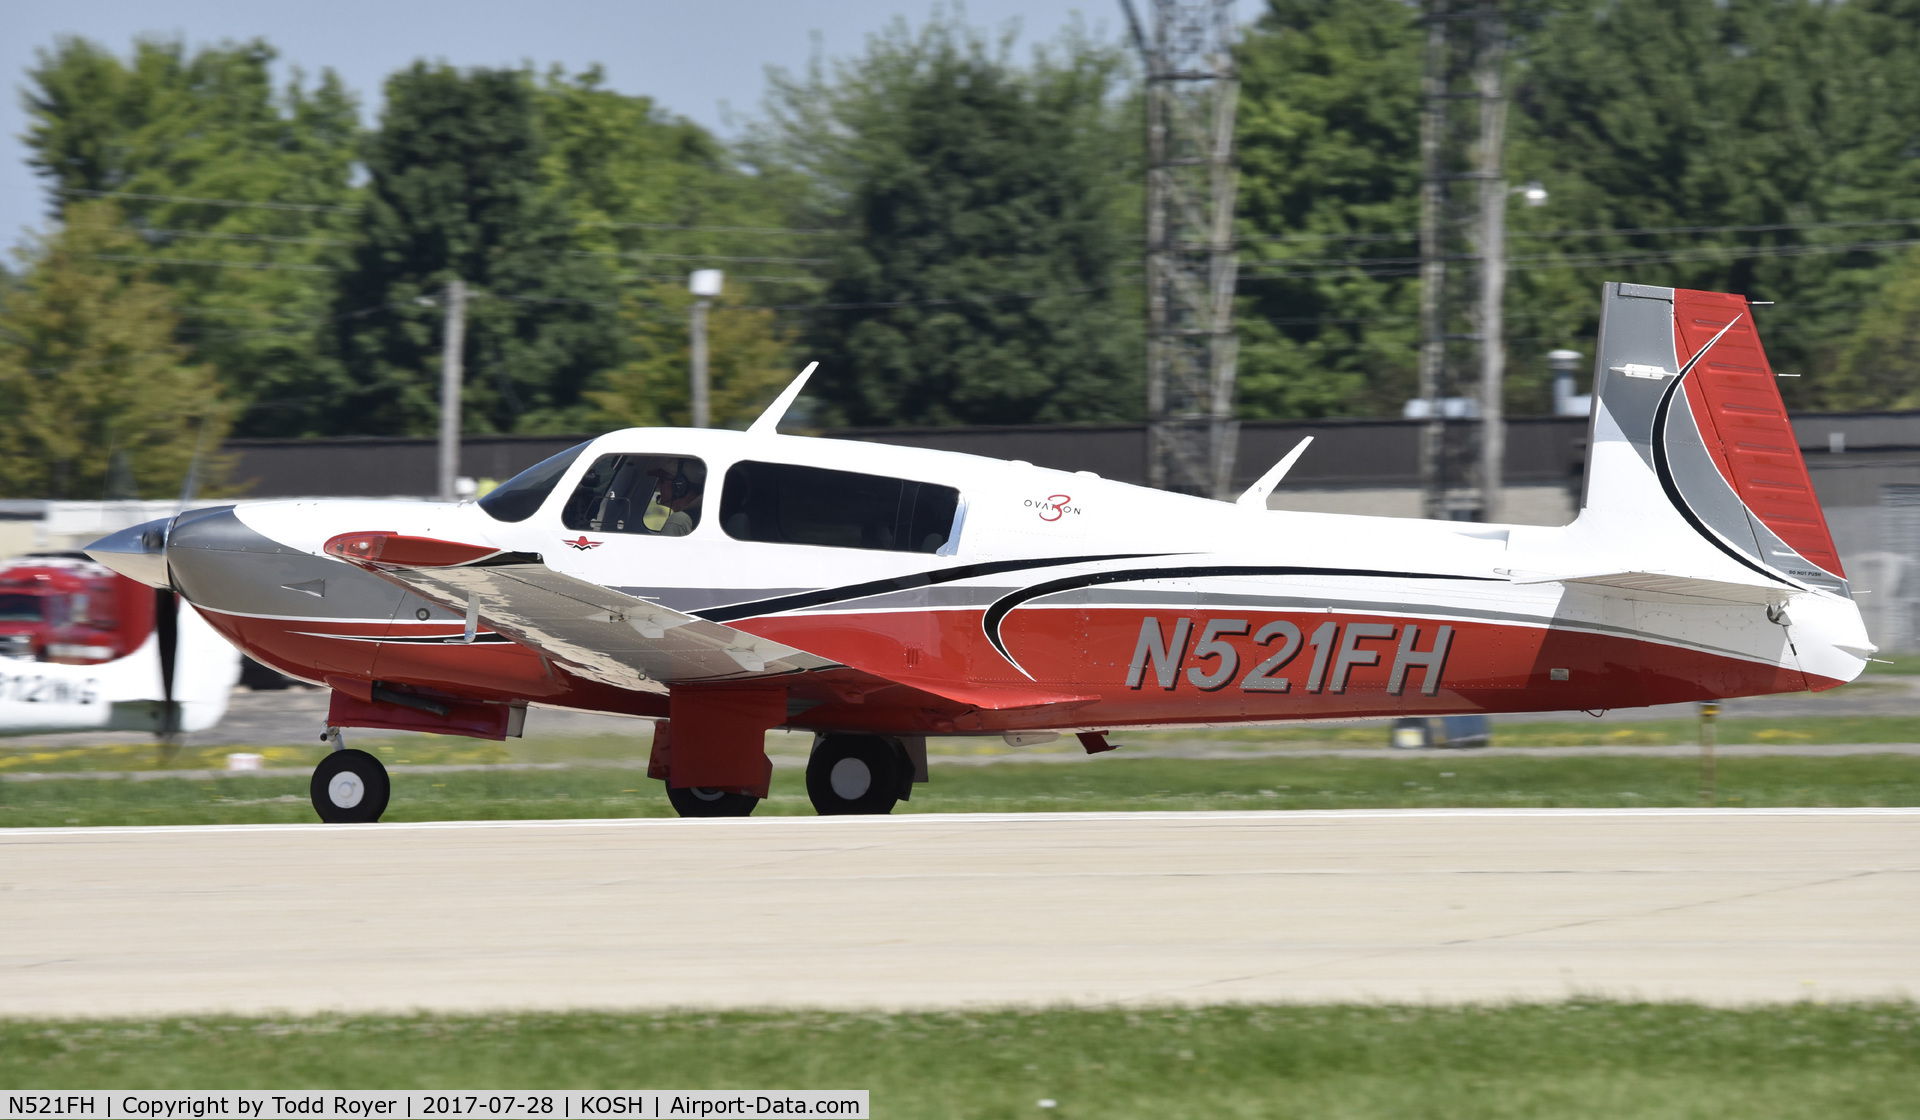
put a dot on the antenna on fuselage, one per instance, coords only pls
(769, 422)
(1256, 495)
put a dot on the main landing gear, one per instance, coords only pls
(349, 786)
(857, 774)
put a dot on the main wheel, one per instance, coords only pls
(703, 801)
(854, 774)
(350, 787)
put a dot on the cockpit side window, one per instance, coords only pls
(782, 503)
(519, 497)
(652, 495)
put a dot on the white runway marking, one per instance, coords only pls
(1727, 906)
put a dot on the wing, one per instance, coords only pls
(595, 631)
(615, 638)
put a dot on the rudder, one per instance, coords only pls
(1686, 408)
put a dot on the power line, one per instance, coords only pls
(1408, 235)
(637, 255)
(215, 235)
(1769, 228)
(258, 266)
(1360, 266)
(755, 279)
(227, 202)
(798, 232)
(318, 208)
(945, 301)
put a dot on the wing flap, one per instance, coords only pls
(1682, 587)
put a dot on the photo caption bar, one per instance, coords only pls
(439, 1104)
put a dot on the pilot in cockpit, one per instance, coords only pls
(673, 508)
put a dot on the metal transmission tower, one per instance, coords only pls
(1463, 199)
(1191, 267)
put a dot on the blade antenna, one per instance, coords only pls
(1256, 495)
(769, 422)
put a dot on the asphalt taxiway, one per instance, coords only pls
(1723, 906)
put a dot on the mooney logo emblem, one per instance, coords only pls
(1053, 507)
(581, 543)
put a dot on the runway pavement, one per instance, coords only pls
(1726, 906)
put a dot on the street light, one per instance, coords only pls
(1565, 402)
(705, 285)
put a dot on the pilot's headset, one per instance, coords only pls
(681, 485)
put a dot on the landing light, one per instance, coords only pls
(394, 550)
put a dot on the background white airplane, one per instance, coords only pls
(86, 649)
(727, 582)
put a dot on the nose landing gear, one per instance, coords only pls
(349, 786)
(705, 801)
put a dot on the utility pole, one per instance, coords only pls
(1192, 90)
(1463, 256)
(1489, 69)
(453, 349)
(705, 285)
(1433, 266)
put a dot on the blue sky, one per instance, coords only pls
(702, 59)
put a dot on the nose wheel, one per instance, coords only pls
(851, 775)
(350, 787)
(701, 801)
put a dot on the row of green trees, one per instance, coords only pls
(948, 228)
(1768, 147)
(951, 227)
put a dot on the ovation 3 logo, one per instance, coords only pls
(1053, 507)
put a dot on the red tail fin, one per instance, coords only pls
(1744, 422)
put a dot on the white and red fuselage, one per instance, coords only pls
(866, 587)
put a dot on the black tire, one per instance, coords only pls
(703, 801)
(351, 776)
(851, 775)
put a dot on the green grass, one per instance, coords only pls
(1895, 664)
(1569, 733)
(1088, 784)
(25, 756)
(1567, 1060)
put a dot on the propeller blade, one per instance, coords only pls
(166, 632)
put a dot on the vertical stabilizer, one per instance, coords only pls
(1686, 415)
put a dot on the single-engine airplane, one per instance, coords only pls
(723, 583)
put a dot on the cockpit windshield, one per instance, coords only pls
(517, 498)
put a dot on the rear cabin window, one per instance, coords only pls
(652, 495)
(780, 503)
